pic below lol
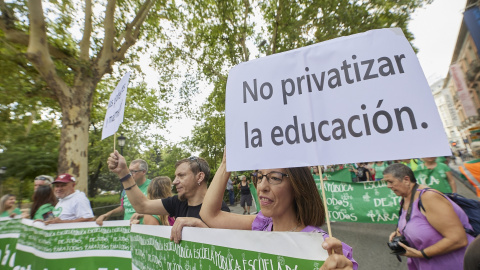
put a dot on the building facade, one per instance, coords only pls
(463, 81)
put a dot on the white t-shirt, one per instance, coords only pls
(74, 206)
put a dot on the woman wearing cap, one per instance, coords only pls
(7, 206)
(289, 202)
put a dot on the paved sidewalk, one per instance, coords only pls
(237, 209)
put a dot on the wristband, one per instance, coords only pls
(425, 255)
(125, 178)
(130, 187)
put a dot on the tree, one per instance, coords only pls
(70, 65)
(219, 35)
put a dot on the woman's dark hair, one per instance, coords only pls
(307, 202)
(399, 171)
(43, 195)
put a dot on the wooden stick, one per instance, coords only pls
(325, 202)
(114, 141)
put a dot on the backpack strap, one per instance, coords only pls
(420, 204)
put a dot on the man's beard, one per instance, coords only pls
(182, 197)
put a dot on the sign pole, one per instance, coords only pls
(325, 201)
(114, 140)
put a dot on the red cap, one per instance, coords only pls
(64, 178)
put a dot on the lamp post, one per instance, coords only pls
(121, 143)
(3, 170)
(20, 195)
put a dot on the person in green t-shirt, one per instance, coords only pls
(138, 168)
(7, 206)
(378, 168)
(436, 175)
(44, 202)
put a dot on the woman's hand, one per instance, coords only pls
(392, 235)
(336, 259)
(410, 252)
(337, 262)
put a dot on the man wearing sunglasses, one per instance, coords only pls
(138, 169)
(42, 180)
(191, 175)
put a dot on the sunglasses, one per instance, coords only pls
(42, 178)
(194, 158)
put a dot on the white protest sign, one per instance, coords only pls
(116, 108)
(352, 99)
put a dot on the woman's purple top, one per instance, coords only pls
(420, 235)
(263, 223)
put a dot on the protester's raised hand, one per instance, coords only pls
(180, 222)
(116, 163)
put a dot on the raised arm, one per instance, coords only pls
(142, 205)
(211, 213)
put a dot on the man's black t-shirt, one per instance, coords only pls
(177, 208)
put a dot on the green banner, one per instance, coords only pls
(9, 232)
(367, 202)
(342, 175)
(204, 248)
(74, 246)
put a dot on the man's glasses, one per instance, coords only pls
(274, 178)
(136, 171)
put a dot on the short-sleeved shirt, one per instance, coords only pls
(15, 211)
(44, 212)
(127, 206)
(379, 169)
(436, 178)
(177, 208)
(230, 184)
(74, 206)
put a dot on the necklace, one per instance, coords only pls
(298, 224)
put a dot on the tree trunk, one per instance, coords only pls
(73, 155)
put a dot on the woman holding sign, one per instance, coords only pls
(431, 233)
(289, 202)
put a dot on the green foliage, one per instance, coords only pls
(218, 35)
(104, 203)
(170, 155)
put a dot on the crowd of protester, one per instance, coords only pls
(288, 197)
